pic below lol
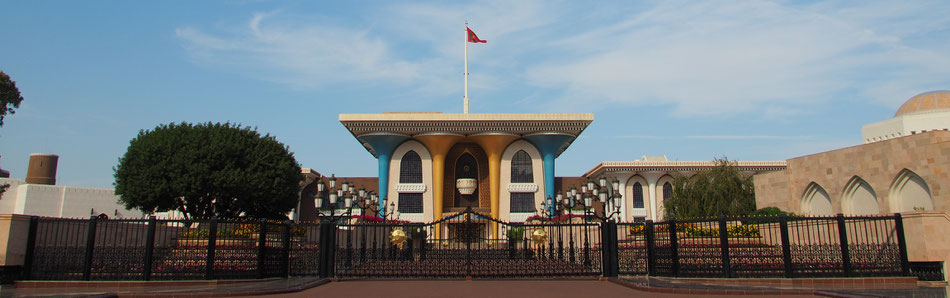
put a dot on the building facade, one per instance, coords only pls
(647, 183)
(432, 165)
(902, 167)
(925, 112)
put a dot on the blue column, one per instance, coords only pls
(549, 144)
(383, 145)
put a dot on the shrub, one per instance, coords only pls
(770, 211)
(515, 232)
(693, 231)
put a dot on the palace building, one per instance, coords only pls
(432, 164)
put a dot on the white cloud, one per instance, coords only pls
(703, 58)
(302, 55)
(730, 57)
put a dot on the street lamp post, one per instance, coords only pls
(361, 199)
(609, 198)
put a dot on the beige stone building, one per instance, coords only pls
(902, 168)
(906, 172)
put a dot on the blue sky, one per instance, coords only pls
(750, 80)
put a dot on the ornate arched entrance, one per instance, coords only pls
(466, 161)
(466, 168)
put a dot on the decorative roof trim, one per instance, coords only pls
(466, 125)
(672, 166)
(467, 117)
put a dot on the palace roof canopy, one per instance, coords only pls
(421, 123)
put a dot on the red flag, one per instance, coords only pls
(474, 38)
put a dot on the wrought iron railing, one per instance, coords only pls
(156, 249)
(466, 244)
(765, 247)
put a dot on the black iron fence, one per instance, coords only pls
(468, 244)
(155, 249)
(765, 247)
(464, 244)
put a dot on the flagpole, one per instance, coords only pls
(466, 67)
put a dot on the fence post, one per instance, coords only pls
(843, 238)
(425, 241)
(611, 260)
(327, 246)
(724, 247)
(90, 246)
(901, 244)
(331, 254)
(322, 243)
(261, 247)
(212, 239)
(786, 246)
(285, 254)
(30, 246)
(674, 249)
(149, 248)
(651, 250)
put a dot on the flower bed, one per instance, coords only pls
(690, 229)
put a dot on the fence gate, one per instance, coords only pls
(468, 244)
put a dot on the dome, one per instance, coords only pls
(925, 102)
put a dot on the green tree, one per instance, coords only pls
(9, 96)
(208, 169)
(721, 190)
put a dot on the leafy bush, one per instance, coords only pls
(562, 217)
(693, 231)
(247, 230)
(743, 231)
(770, 211)
(636, 229)
(515, 232)
(298, 231)
(720, 190)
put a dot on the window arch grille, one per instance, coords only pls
(410, 168)
(667, 191)
(410, 202)
(521, 168)
(637, 195)
(522, 202)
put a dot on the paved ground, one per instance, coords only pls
(581, 288)
(483, 289)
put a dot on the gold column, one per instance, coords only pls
(494, 145)
(438, 145)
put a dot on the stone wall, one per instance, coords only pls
(926, 154)
(927, 238)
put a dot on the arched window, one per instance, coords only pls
(637, 195)
(667, 191)
(410, 202)
(410, 168)
(521, 168)
(522, 202)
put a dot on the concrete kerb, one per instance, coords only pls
(672, 290)
(160, 288)
(224, 288)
